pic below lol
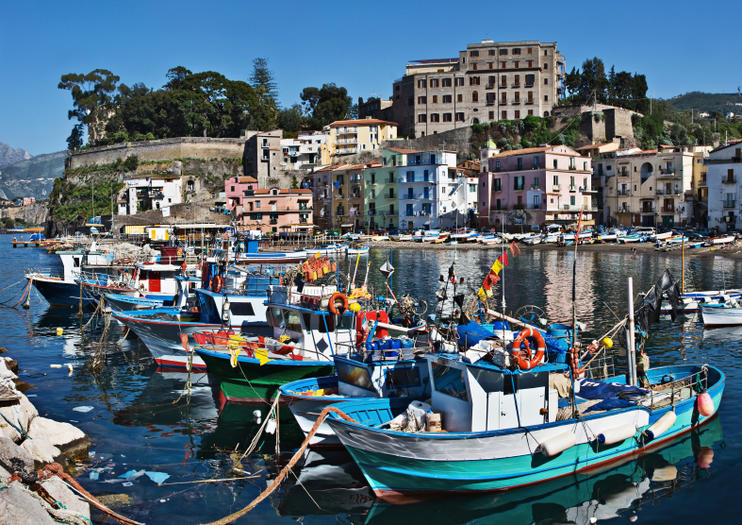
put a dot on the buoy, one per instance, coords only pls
(557, 444)
(705, 404)
(661, 425)
(60, 331)
(355, 307)
(615, 435)
(607, 342)
(705, 457)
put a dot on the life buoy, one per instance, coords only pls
(218, 282)
(526, 360)
(334, 307)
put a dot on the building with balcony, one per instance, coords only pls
(339, 195)
(303, 152)
(381, 193)
(149, 192)
(646, 187)
(271, 210)
(724, 182)
(351, 137)
(535, 187)
(488, 81)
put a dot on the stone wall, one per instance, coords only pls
(35, 214)
(162, 149)
(458, 140)
(190, 213)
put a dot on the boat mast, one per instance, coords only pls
(682, 268)
(574, 283)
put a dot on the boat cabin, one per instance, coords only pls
(156, 281)
(475, 397)
(405, 378)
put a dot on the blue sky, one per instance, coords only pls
(360, 45)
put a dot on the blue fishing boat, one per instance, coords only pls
(509, 428)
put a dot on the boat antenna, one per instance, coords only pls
(502, 277)
(574, 283)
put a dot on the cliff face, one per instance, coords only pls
(10, 155)
(33, 177)
(94, 179)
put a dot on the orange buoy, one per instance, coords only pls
(705, 404)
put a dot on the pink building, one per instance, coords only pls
(271, 210)
(535, 186)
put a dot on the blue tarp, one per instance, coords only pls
(613, 395)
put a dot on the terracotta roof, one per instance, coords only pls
(361, 122)
(593, 146)
(524, 151)
(247, 179)
(405, 151)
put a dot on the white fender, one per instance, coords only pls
(614, 435)
(554, 445)
(661, 425)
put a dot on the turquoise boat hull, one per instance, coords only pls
(399, 464)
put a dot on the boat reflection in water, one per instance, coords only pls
(332, 484)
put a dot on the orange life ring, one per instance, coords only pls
(525, 360)
(333, 306)
(218, 282)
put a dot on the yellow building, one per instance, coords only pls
(350, 137)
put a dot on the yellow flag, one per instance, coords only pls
(261, 354)
(481, 293)
(496, 267)
(233, 353)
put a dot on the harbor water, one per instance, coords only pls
(141, 419)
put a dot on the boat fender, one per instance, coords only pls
(614, 435)
(661, 425)
(705, 404)
(557, 444)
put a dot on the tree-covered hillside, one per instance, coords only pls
(708, 102)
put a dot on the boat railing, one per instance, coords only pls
(670, 391)
(601, 367)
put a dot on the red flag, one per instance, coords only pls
(503, 258)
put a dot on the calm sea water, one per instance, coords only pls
(136, 420)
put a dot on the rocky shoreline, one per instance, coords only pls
(30, 443)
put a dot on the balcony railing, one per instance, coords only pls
(648, 210)
(624, 192)
(668, 209)
(730, 204)
(729, 180)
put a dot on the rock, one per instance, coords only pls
(12, 365)
(13, 457)
(4, 474)
(59, 434)
(20, 507)
(41, 451)
(60, 492)
(176, 168)
(113, 501)
(20, 414)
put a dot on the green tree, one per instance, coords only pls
(326, 104)
(262, 79)
(291, 119)
(91, 99)
(74, 141)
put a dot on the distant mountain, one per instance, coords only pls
(709, 102)
(8, 155)
(33, 177)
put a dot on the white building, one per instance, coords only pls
(428, 197)
(149, 192)
(303, 152)
(724, 181)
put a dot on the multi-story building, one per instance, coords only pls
(303, 152)
(263, 157)
(381, 193)
(270, 210)
(535, 186)
(149, 192)
(699, 187)
(646, 187)
(339, 194)
(724, 181)
(488, 81)
(350, 137)
(428, 197)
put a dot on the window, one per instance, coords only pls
(555, 164)
(498, 204)
(530, 79)
(422, 117)
(426, 192)
(546, 99)
(408, 210)
(491, 81)
(373, 177)
(435, 117)
(503, 65)
(504, 115)
(435, 99)
(516, 51)
(391, 177)
(459, 98)
(519, 162)
(571, 182)
(546, 81)
(503, 51)
(373, 194)
(432, 159)
(434, 82)
(447, 99)
(472, 188)
(410, 194)
(517, 113)
(460, 117)
(491, 115)
(491, 52)
(475, 96)
(530, 64)
(391, 193)
(491, 65)
(446, 82)
(391, 212)
(535, 163)
(535, 182)
(446, 117)
(503, 81)
(518, 182)
(546, 65)
(426, 175)
(410, 177)
(422, 100)
(530, 112)
(474, 66)
(473, 81)
(530, 50)
(572, 200)
(497, 166)
(572, 164)
(536, 201)
(517, 64)
(473, 53)
(503, 98)
(459, 81)
(427, 207)
(421, 83)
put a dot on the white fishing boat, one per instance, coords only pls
(489, 239)
(661, 236)
(724, 314)
(723, 239)
(362, 250)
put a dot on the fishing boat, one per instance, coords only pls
(721, 240)
(443, 237)
(164, 330)
(728, 313)
(330, 249)
(489, 239)
(691, 302)
(464, 236)
(363, 250)
(507, 428)
(661, 236)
